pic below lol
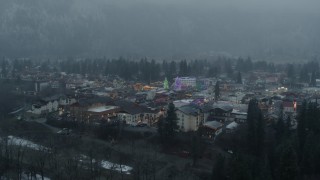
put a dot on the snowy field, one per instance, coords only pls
(38, 177)
(17, 141)
(108, 165)
(117, 167)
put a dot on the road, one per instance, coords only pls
(43, 122)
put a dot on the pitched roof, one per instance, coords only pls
(224, 107)
(132, 108)
(53, 98)
(188, 109)
(94, 100)
(232, 125)
(213, 124)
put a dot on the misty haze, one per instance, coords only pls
(281, 30)
(159, 90)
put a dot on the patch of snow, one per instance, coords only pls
(12, 140)
(38, 177)
(108, 165)
(117, 167)
(102, 109)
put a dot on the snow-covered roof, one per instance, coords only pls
(102, 108)
(213, 124)
(232, 125)
(235, 111)
(183, 102)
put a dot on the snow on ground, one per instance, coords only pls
(108, 165)
(38, 177)
(117, 167)
(12, 140)
(25, 177)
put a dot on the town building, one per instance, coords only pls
(189, 118)
(50, 104)
(212, 128)
(134, 114)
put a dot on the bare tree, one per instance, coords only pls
(41, 160)
(19, 157)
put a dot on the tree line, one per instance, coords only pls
(151, 70)
(276, 152)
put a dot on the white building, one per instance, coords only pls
(289, 107)
(40, 86)
(238, 116)
(44, 107)
(290, 110)
(318, 82)
(188, 81)
(134, 114)
(189, 118)
(51, 104)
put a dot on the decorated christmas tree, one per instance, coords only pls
(177, 84)
(166, 84)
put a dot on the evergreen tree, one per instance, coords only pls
(212, 72)
(271, 68)
(288, 124)
(217, 91)
(183, 68)
(288, 168)
(172, 70)
(301, 129)
(262, 65)
(167, 126)
(165, 68)
(239, 78)
(255, 134)
(313, 79)
(311, 155)
(218, 169)
(228, 68)
(171, 121)
(195, 147)
(166, 84)
(264, 172)
(161, 128)
(248, 64)
(291, 72)
(240, 168)
(304, 75)
(154, 70)
(280, 128)
(240, 66)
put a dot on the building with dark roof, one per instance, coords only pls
(219, 112)
(93, 109)
(133, 113)
(189, 118)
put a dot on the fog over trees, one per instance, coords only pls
(273, 30)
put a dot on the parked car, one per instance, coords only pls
(64, 131)
(142, 125)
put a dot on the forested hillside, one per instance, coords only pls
(111, 28)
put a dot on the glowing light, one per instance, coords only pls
(177, 84)
(166, 84)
